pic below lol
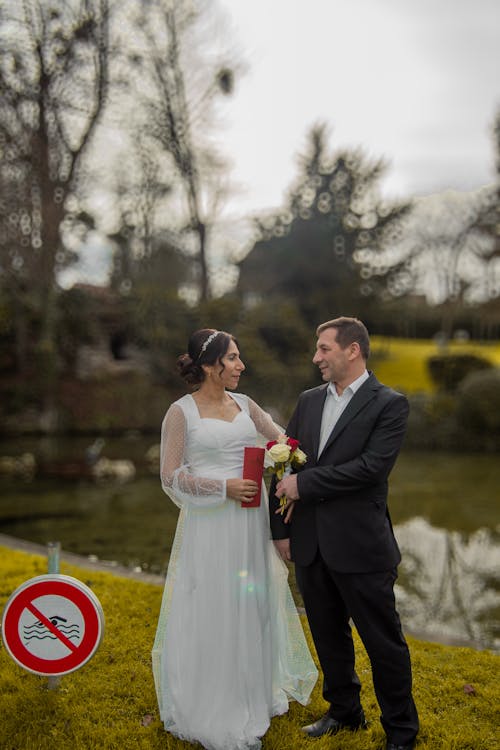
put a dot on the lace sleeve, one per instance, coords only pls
(176, 478)
(263, 422)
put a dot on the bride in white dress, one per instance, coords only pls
(229, 651)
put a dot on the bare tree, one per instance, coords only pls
(449, 249)
(138, 202)
(488, 224)
(54, 77)
(177, 88)
(445, 254)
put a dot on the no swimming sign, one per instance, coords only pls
(52, 625)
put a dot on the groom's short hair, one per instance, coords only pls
(348, 331)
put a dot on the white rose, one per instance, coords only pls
(279, 452)
(299, 457)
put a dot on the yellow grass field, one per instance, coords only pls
(401, 363)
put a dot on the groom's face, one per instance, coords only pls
(333, 362)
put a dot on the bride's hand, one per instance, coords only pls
(242, 490)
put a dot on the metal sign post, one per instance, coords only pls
(53, 554)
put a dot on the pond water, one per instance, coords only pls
(445, 510)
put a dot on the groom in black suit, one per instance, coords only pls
(337, 530)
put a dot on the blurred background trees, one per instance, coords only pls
(54, 83)
(108, 112)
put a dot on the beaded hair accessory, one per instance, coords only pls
(207, 343)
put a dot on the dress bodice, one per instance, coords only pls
(214, 447)
(198, 454)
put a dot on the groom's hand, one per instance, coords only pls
(288, 486)
(283, 548)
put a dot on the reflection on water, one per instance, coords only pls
(449, 586)
(445, 511)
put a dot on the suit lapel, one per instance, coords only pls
(315, 413)
(358, 402)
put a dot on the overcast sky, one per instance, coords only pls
(414, 81)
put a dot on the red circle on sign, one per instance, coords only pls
(52, 585)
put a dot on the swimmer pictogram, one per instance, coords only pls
(39, 630)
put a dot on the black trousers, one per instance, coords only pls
(331, 599)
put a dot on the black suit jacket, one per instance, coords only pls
(342, 509)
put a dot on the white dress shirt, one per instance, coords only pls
(334, 406)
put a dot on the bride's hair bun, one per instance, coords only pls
(189, 370)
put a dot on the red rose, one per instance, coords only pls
(270, 444)
(292, 443)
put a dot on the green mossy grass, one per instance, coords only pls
(110, 703)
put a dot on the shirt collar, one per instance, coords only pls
(352, 387)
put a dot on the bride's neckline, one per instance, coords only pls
(218, 419)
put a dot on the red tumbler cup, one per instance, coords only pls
(253, 468)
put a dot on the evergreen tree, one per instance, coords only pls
(311, 252)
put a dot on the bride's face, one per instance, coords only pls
(233, 367)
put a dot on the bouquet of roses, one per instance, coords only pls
(285, 455)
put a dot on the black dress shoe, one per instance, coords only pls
(392, 746)
(328, 725)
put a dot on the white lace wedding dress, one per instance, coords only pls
(229, 650)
